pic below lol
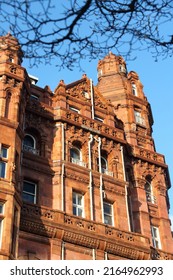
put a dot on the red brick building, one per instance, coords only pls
(79, 174)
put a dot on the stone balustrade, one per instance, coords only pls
(54, 218)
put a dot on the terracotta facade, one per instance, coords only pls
(80, 177)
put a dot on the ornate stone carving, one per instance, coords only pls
(121, 250)
(80, 239)
(37, 228)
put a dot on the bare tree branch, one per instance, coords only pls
(71, 30)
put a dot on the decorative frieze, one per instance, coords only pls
(148, 155)
(122, 251)
(93, 126)
(37, 228)
(80, 239)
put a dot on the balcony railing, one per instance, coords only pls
(78, 162)
(30, 150)
(107, 172)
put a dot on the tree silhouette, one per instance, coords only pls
(71, 30)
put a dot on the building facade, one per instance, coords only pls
(79, 174)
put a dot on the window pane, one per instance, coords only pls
(107, 208)
(74, 210)
(103, 163)
(74, 198)
(29, 187)
(4, 152)
(29, 141)
(107, 220)
(80, 212)
(154, 232)
(2, 169)
(148, 187)
(1, 209)
(107, 213)
(74, 153)
(79, 200)
(28, 197)
(29, 191)
(77, 204)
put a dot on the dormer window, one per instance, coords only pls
(134, 90)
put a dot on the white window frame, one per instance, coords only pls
(27, 148)
(34, 97)
(134, 90)
(32, 139)
(111, 215)
(138, 118)
(74, 109)
(4, 159)
(2, 206)
(34, 195)
(149, 193)
(155, 237)
(106, 163)
(98, 119)
(77, 161)
(76, 205)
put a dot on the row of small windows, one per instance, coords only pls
(30, 193)
(138, 118)
(78, 111)
(29, 145)
(76, 158)
(78, 208)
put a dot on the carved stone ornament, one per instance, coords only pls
(79, 239)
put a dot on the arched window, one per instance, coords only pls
(76, 156)
(149, 192)
(7, 105)
(29, 144)
(104, 164)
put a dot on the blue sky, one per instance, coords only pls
(157, 79)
